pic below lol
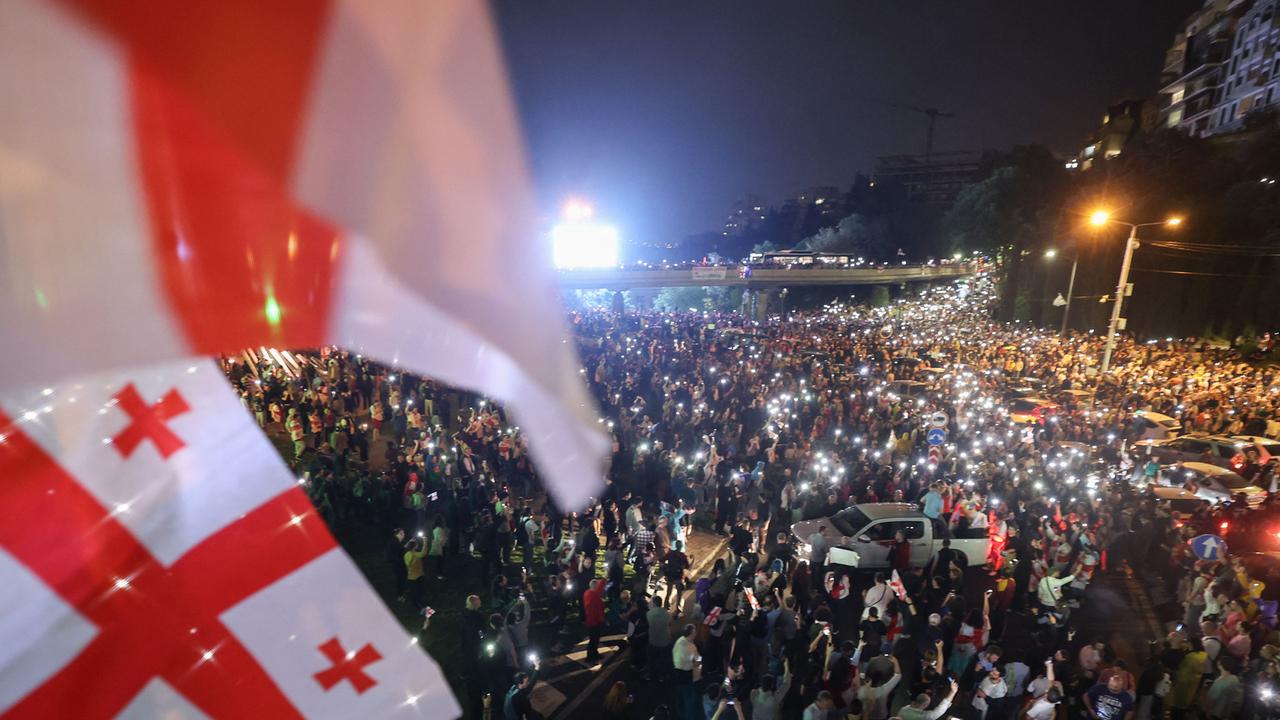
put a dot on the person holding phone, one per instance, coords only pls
(919, 708)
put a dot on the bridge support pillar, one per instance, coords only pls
(764, 298)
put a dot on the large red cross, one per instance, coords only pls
(151, 621)
(147, 422)
(347, 666)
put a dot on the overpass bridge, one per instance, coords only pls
(758, 277)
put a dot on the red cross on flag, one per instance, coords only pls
(895, 583)
(198, 177)
(158, 559)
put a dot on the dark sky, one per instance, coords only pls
(664, 113)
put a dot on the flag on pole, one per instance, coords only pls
(160, 560)
(895, 583)
(192, 178)
(714, 616)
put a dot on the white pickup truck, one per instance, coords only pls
(859, 536)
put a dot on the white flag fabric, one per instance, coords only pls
(190, 178)
(160, 560)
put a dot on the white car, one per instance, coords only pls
(1156, 426)
(1213, 483)
(859, 536)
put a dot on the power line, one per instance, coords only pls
(1189, 272)
(1201, 248)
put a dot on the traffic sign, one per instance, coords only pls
(935, 453)
(1209, 547)
(938, 419)
(936, 436)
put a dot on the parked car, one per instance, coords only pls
(1211, 449)
(1213, 483)
(1031, 410)
(1155, 426)
(909, 388)
(1221, 450)
(1180, 502)
(1074, 398)
(859, 536)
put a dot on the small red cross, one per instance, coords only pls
(347, 666)
(152, 620)
(149, 422)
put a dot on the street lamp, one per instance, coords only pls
(1100, 218)
(1071, 286)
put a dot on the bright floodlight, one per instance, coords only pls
(1100, 217)
(1174, 221)
(584, 245)
(577, 210)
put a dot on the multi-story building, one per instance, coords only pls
(1194, 67)
(1251, 74)
(1122, 122)
(745, 213)
(936, 182)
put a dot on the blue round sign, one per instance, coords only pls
(1209, 547)
(936, 436)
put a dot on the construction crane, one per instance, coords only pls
(933, 114)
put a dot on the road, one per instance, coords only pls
(569, 685)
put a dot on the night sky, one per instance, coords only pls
(664, 113)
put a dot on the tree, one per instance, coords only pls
(679, 299)
(855, 235)
(1018, 206)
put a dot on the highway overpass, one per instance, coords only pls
(759, 277)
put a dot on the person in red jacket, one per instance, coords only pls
(593, 612)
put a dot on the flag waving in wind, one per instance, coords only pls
(192, 178)
(160, 560)
(184, 179)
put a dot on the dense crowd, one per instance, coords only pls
(741, 428)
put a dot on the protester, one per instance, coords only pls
(723, 425)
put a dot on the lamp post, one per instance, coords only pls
(1071, 286)
(1100, 218)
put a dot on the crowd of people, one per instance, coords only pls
(732, 430)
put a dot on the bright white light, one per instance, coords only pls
(584, 245)
(578, 210)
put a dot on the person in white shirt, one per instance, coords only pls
(877, 596)
(875, 699)
(1047, 693)
(821, 707)
(917, 710)
(1050, 590)
(992, 687)
(766, 700)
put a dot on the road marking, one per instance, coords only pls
(612, 664)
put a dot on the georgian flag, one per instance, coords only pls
(895, 583)
(158, 559)
(197, 177)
